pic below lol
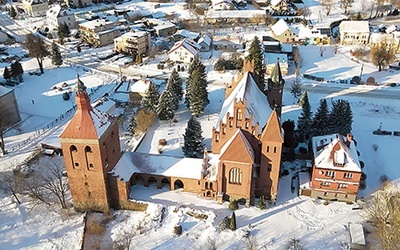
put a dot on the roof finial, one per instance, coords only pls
(79, 86)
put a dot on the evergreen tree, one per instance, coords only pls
(56, 58)
(132, 125)
(198, 94)
(261, 203)
(256, 53)
(165, 108)
(340, 118)
(174, 97)
(196, 65)
(138, 59)
(16, 71)
(193, 146)
(150, 100)
(302, 98)
(78, 48)
(12, 12)
(320, 124)
(66, 29)
(176, 83)
(232, 225)
(6, 74)
(305, 120)
(296, 90)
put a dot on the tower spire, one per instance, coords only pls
(82, 98)
(79, 85)
(276, 75)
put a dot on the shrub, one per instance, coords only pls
(285, 172)
(326, 203)
(197, 215)
(178, 229)
(261, 203)
(95, 228)
(66, 96)
(145, 119)
(233, 204)
(355, 80)
(232, 224)
(392, 84)
(133, 206)
(384, 178)
(224, 224)
(375, 147)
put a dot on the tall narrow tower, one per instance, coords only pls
(91, 148)
(275, 89)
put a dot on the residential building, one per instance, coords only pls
(235, 16)
(205, 42)
(312, 36)
(227, 45)
(222, 5)
(133, 43)
(78, 3)
(184, 51)
(35, 8)
(279, 5)
(55, 17)
(138, 90)
(282, 32)
(98, 32)
(336, 171)
(354, 32)
(182, 34)
(161, 28)
(9, 111)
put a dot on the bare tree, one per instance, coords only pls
(12, 184)
(378, 4)
(212, 242)
(250, 243)
(298, 60)
(383, 54)
(34, 189)
(37, 48)
(125, 240)
(363, 6)
(327, 4)
(55, 182)
(345, 4)
(384, 211)
(294, 244)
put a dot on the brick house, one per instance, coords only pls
(336, 169)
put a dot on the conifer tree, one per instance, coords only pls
(78, 48)
(340, 118)
(132, 125)
(305, 120)
(320, 124)
(302, 100)
(12, 12)
(198, 94)
(66, 29)
(165, 108)
(196, 66)
(174, 97)
(193, 146)
(176, 83)
(56, 58)
(6, 74)
(256, 54)
(17, 71)
(232, 225)
(151, 98)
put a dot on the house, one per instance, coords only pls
(313, 36)
(9, 111)
(354, 32)
(235, 16)
(137, 14)
(182, 34)
(78, 3)
(247, 138)
(279, 5)
(98, 32)
(35, 8)
(138, 90)
(161, 28)
(227, 45)
(246, 149)
(206, 43)
(184, 51)
(133, 43)
(336, 171)
(222, 5)
(283, 33)
(271, 45)
(55, 17)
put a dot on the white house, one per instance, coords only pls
(279, 5)
(55, 16)
(182, 34)
(184, 51)
(284, 33)
(222, 5)
(35, 8)
(312, 35)
(205, 42)
(354, 32)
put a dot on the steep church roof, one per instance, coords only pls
(236, 147)
(256, 103)
(88, 122)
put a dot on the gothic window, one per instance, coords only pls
(73, 151)
(73, 148)
(269, 168)
(217, 138)
(206, 185)
(235, 176)
(239, 115)
(224, 130)
(247, 125)
(230, 124)
(88, 149)
(112, 134)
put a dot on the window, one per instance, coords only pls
(269, 168)
(348, 175)
(342, 186)
(88, 149)
(224, 130)
(235, 176)
(91, 165)
(239, 114)
(274, 150)
(230, 123)
(330, 174)
(112, 134)
(325, 194)
(267, 149)
(73, 148)
(217, 138)
(247, 125)
(76, 165)
(325, 183)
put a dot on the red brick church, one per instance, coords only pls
(245, 154)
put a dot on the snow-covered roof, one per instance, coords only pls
(166, 25)
(95, 23)
(354, 26)
(256, 103)
(189, 45)
(140, 86)
(101, 121)
(56, 11)
(206, 39)
(135, 34)
(287, 47)
(391, 28)
(4, 90)
(216, 2)
(134, 162)
(234, 13)
(276, 2)
(325, 154)
(139, 12)
(279, 27)
(187, 33)
(357, 234)
(306, 32)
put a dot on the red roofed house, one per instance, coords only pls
(336, 169)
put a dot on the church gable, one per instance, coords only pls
(272, 131)
(238, 149)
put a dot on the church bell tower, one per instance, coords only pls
(275, 89)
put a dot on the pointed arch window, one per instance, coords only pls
(73, 154)
(235, 176)
(239, 115)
